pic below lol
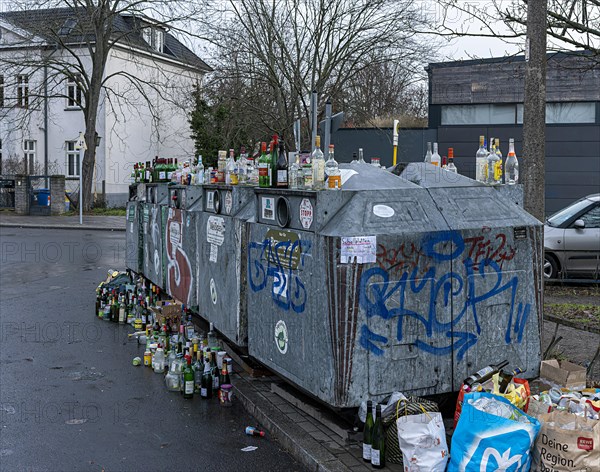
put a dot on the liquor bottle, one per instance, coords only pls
(281, 174)
(114, 309)
(318, 164)
(361, 158)
(428, 153)
(273, 157)
(206, 384)
(295, 173)
(368, 433)
(511, 166)
(147, 172)
(214, 372)
(264, 168)
(378, 441)
(444, 162)
(494, 167)
(221, 164)
(122, 317)
(480, 160)
(451, 167)
(252, 172)
(231, 177)
(199, 174)
(435, 157)
(332, 170)
(188, 379)
(198, 371)
(484, 374)
(307, 175)
(242, 167)
(506, 378)
(354, 158)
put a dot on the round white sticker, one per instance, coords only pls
(306, 213)
(281, 336)
(213, 291)
(383, 211)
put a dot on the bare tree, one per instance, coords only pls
(275, 52)
(75, 46)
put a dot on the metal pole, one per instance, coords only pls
(313, 115)
(327, 127)
(297, 137)
(80, 186)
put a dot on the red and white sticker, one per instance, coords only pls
(587, 444)
(306, 213)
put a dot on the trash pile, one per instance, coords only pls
(191, 361)
(498, 425)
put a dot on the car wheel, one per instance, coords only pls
(550, 267)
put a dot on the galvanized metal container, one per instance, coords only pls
(153, 231)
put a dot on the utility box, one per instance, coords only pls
(392, 285)
(222, 246)
(179, 258)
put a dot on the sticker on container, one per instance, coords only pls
(210, 200)
(360, 249)
(214, 252)
(280, 285)
(268, 208)
(520, 232)
(306, 213)
(215, 230)
(281, 336)
(213, 291)
(187, 221)
(383, 211)
(131, 227)
(175, 233)
(228, 202)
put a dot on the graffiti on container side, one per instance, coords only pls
(479, 248)
(400, 259)
(277, 261)
(462, 289)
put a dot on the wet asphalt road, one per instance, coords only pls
(70, 400)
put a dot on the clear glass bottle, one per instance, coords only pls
(318, 166)
(511, 166)
(451, 167)
(199, 174)
(428, 153)
(480, 160)
(242, 167)
(435, 157)
(221, 165)
(332, 171)
(361, 158)
(252, 172)
(307, 175)
(231, 177)
(295, 172)
(492, 166)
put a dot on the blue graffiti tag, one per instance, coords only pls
(274, 260)
(458, 290)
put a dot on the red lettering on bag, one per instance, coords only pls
(587, 444)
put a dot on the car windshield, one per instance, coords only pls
(566, 213)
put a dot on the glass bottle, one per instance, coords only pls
(484, 374)
(281, 171)
(494, 167)
(361, 158)
(252, 172)
(480, 160)
(435, 157)
(318, 165)
(198, 371)
(451, 167)
(428, 153)
(273, 151)
(354, 158)
(511, 166)
(368, 433)
(214, 372)
(221, 165)
(332, 170)
(242, 167)
(207, 382)
(188, 378)
(158, 360)
(264, 168)
(230, 169)
(199, 179)
(378, 444)
(295, 173)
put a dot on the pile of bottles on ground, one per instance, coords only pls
(191, 360)
(497, 423)
(269, 168)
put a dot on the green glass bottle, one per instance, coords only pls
(274, 158)
(368, 433)
(188, 378)
(264, 167)
(378, 441)
(207, 382)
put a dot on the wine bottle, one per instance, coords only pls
(484, 374)
(378, 442)
(368, 433)
(506, 378)
(207, 382)
(281, 171)
(264, 173)
(188, 378)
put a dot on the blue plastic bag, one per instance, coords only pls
(486, 442)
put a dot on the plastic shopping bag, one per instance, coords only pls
(492, 435)
(422, 440)
(567, 443)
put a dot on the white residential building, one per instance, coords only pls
(143, 110)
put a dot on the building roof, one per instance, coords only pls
(74, 26)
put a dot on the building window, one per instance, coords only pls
(23, 91)
(73, 93)
(29, 148)
(565, 113)
(155, 38)
(1, 90)
(72, 166)
(478, 114)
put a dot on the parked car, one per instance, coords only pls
(572, 240)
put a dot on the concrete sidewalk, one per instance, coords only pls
(90, 222)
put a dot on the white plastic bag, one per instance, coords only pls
(387, 407)
(422, 441)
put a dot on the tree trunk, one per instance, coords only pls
(534, 111)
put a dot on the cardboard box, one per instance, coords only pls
(168, 310)
(565, 373)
